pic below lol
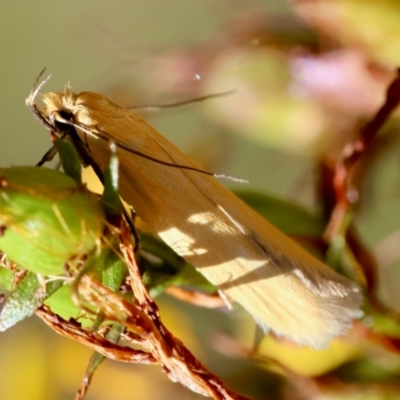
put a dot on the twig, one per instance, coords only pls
(177, 361)
(73, 330)
(207, 300)
(352, 153)
(143, 327)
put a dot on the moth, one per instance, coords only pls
(287, 290)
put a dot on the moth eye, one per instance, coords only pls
(66, 115)
(62, 116)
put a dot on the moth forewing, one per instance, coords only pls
(285, 288)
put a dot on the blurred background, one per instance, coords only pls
(303, 75)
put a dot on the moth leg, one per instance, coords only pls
(130, 220)
(48, 156)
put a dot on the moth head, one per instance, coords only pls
(60, 109)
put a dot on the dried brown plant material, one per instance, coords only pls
(351, 153)
(207, 300)
(143, 327)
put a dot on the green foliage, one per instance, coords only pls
(47, 219)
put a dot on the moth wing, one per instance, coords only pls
(285, 288)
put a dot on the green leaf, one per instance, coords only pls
(113, 269)
(61, 303)
(70, 160)
(23, 301)
(47, 218)
(162, 267)
(6, 279)
(110, 198)
(288, 217)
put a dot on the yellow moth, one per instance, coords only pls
(286, 290)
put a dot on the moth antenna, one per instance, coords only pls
(225, 299)
(157, 107)
(37, 85)
(30, 101)
(230, 178)
(105, 136)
